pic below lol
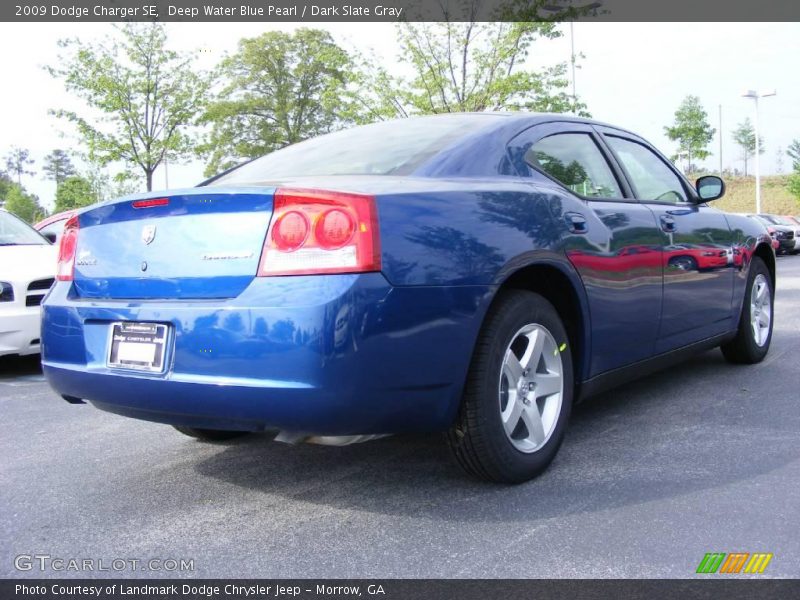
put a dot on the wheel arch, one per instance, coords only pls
(765, 253)
(561, 285)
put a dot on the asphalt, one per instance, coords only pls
(704, 457)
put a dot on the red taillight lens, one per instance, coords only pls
(317, 231)
(334, 229)
(66, 251)
(290, 231)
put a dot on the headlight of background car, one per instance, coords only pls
(6, 292)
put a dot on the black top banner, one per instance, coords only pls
(397, 10)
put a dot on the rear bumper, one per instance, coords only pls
(328, 355)
(19, 329)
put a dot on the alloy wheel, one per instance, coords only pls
(760, 309)
(531, 388)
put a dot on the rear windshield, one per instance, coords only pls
(385, 148)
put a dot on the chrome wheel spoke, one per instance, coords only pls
(511, 415)
(533, 423)
(761, 296)
(547, 384)
(512, 368)
(760, 309)
(533, 353)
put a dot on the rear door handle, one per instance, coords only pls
(668, 224)
(576, 222)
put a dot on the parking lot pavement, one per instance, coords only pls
(704, 457)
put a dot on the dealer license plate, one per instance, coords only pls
(139, 346)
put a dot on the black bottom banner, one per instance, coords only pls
(396, 589)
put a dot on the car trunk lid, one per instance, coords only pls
(197, 243)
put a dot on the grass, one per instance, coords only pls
(740, 196)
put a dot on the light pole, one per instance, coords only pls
(755, 96)
(572, 58)
(585, 8)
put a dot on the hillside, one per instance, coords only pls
(775, 198)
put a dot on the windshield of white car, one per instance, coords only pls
(15, 232)
(384, 148)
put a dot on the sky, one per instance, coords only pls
(632, 74)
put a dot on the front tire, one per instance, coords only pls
(754, 335)
(210, 435)
(518, 394)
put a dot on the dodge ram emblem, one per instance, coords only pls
(148, 233)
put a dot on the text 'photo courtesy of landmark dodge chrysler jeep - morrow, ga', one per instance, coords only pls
(474, 274)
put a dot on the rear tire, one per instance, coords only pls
(518, 394)
(210, 435)
(754, 335)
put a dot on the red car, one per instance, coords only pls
(52, 226)
(687, 257)
(690, 257)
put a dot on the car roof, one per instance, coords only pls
(534, 118)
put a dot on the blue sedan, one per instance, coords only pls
(474, 274)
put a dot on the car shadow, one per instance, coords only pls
(694, 427)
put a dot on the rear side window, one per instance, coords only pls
(386, 148)
(575, 160)
(651, 177)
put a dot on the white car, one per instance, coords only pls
(27, 270)
(784, 222)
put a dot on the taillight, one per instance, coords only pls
(150, 203)
(66, 251)
(316, 231)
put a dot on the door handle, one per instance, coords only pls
(576, 222)
(668, 224)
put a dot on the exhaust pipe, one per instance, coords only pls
(294, 437)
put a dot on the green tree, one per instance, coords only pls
(691, 130)
(280, 88)
(74, 192)
(794, 153)
(149, 96)
(22, 204)
(5, 185)
(745, 137)
(17, 162)
(58, 166)
(474, 66)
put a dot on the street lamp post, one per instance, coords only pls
(755, 96)
(554, 8)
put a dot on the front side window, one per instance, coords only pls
(575, 160)
(651, 177)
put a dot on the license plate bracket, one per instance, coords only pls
(138, 346)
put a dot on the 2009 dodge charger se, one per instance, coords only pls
(469, 273)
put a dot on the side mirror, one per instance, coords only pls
(710, 188)
(50, 236)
